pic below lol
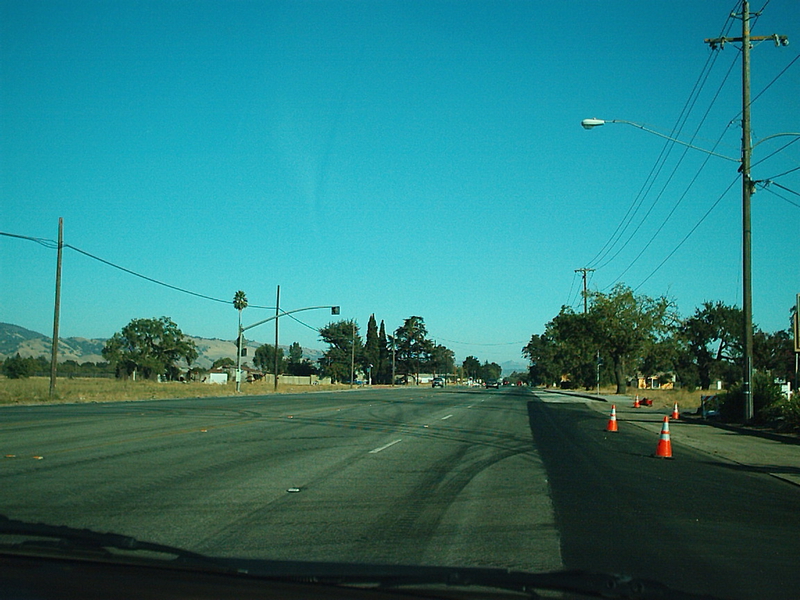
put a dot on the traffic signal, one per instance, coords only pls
(334, 310)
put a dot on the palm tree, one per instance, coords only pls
(239, 303)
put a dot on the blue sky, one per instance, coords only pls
(397, 158)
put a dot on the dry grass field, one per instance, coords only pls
(36, 390)
(687, 401)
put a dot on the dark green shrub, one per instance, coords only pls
(17, 367)
(766, 394)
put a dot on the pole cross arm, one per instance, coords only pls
(780, 40)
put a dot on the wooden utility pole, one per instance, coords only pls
(277, 358)
(585, 293)
(57, 310)
(748, 187)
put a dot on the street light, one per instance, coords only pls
(280, 313)
(748, 187)
(592, 123)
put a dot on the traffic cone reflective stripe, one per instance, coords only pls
(612, 422)
(664, 448)
(675, 413)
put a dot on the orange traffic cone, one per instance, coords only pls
(636, 402)
(664, 448)
(675, 413)
(612, 422)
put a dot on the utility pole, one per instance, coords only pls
(585, 296)
(277, 357)
(598, 372)
(353, 356)
(56, 311)
(748, 187)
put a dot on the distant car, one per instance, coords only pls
(492, 383)
(437, 382)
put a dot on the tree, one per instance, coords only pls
(623, 326)
(472, 367)
(372, 347)
(296, 364)
(343, 342)
(384, 370)
(540, 352)
(490, 371)
(240, 301)
(295, 353)
(442, 360)
(226, 361)
(773, 353)
(713, 339)
(413, 347)
(264, 359)
(17, 367)
(575, 348)
(152, 347)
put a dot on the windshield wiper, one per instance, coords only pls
(72, 541)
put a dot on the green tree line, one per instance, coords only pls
(17, 367)
(405, 353)
(627, 335)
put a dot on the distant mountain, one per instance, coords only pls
(512, 366)
(15, 339)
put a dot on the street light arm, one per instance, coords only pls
(774, 135)
(592, 123)
(284, 312)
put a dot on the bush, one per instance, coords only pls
(784, 412)
(19, 368)
(766, 395)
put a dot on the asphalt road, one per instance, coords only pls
(410, 475)
(696, 522)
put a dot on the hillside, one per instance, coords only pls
(15, 339)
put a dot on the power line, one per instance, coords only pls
(686, 237)
(774, 193)
(660, 161)
(145, 277)
(686, 191)
(781, 149)
(479, 344)
(784, 173)
(53, 245)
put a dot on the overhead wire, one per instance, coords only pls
(688, 235)
(767, 187)
(781, 149)
(627, 219)
(681, 198)
(663, 224)
(797, 168)
(571, 287)
(53, 245)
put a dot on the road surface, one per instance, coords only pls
(412, 475)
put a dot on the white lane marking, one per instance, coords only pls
(376, 450)
(447, 417)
